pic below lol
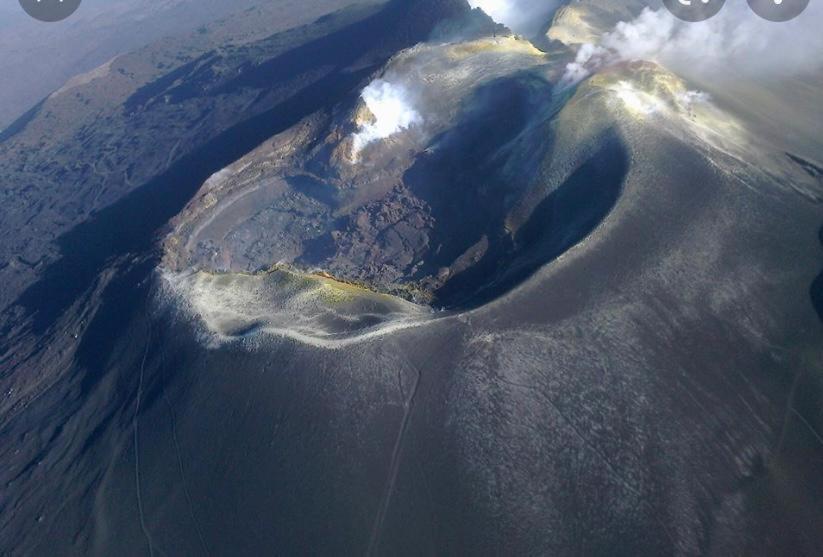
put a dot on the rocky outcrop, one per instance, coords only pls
(164, 118)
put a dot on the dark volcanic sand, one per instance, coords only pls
(648, 384)
(629, 398)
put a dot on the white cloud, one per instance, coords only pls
(735, 40)
(521, 16)
(392, 111)
(589, 58)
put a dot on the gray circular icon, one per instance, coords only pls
(50, 10)
(694, 10)
(778, 10)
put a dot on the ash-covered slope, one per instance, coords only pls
(631, 364)
(641, 372)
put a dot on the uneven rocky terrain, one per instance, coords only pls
(554, 304)
(104, 135)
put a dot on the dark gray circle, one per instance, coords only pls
(50, 10)
(694, 10)
(778, 10)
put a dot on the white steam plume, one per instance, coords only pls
(735, 41)
(392, 111)
(526, 17)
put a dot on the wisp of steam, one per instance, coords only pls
(526, 17)
(391, 108)
(735, 41)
